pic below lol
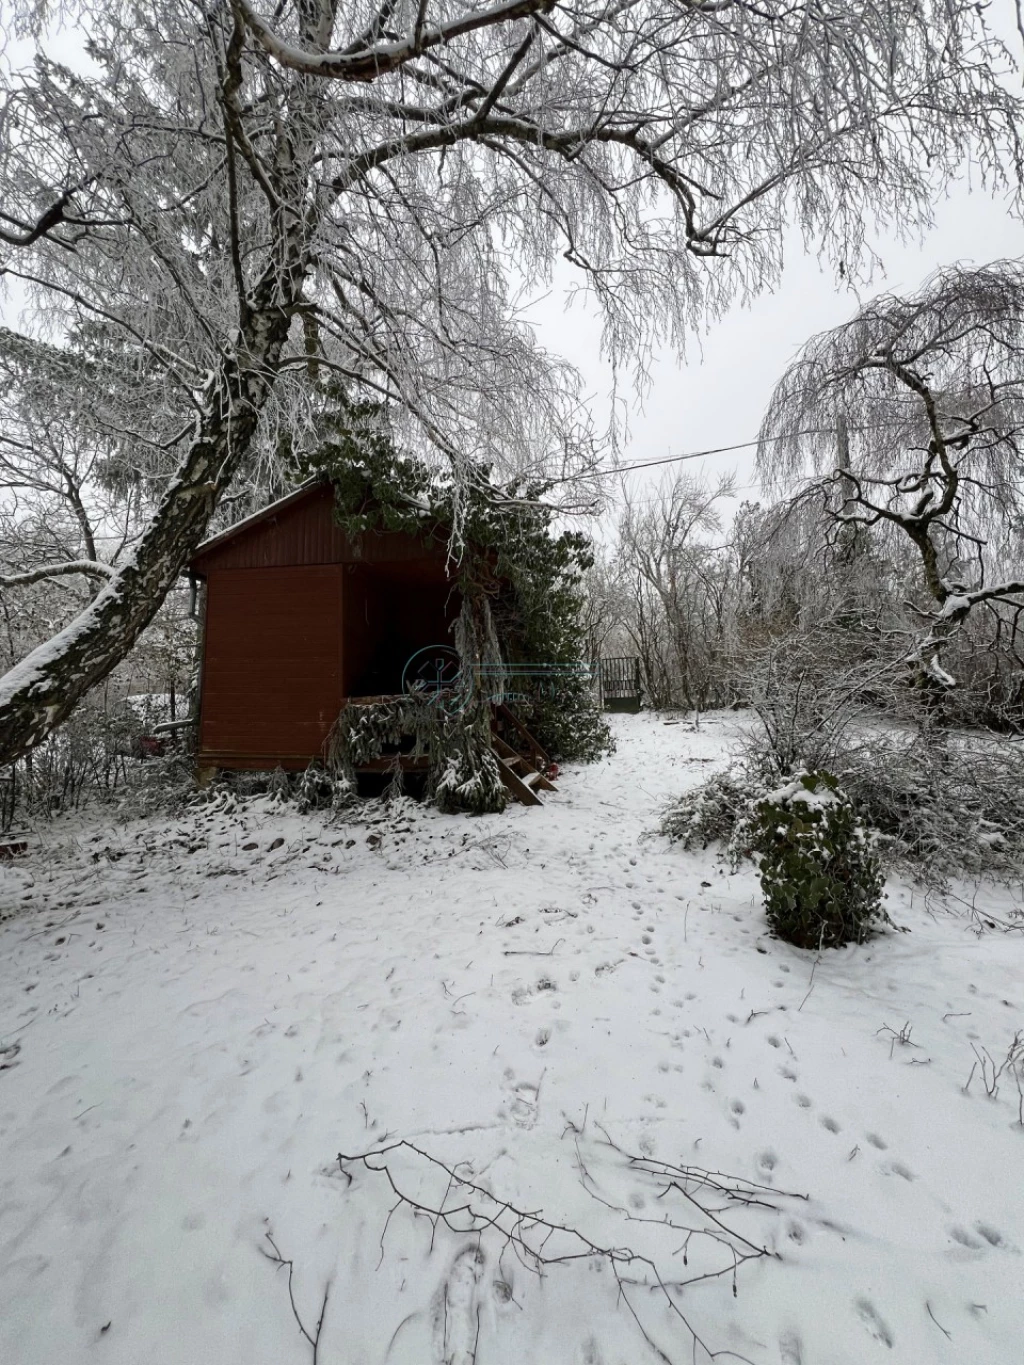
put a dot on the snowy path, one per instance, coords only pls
(194, 1030)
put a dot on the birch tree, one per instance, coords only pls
(216, 199)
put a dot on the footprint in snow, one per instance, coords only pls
(876, 1141)
(457, 1310)
(788, 1073)
(773, 1041)
(543, 1037)
(790, 1349)
(830, 1124)
(767, 1161)
(804, 1101)
(875, 1325)
(589, 1354)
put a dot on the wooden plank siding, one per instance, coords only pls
(273, 665)
(303, 531)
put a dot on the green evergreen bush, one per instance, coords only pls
(510, 561)
(820, 874)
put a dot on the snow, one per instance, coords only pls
(192, 1030)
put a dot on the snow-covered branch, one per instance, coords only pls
(367, 63)
(89, 568)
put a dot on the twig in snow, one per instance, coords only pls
(467, 1208)
(902, 1037)
(312, 1337)
(575, 1129)
(532, 952)
(938, 1324)
(814, 964)
(992, 1072)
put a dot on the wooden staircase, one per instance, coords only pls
(523, 767)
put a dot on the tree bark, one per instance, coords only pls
(42, 690)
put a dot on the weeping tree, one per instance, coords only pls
(217, 203)
(910, 419)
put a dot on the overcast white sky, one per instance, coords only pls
(718, 396)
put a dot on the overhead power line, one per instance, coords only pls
(717, 450)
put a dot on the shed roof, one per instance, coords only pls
(247, 524)
(301, 529)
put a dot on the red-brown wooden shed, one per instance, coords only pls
(300, 616)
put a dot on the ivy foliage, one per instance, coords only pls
(820, 875)
(530, 576)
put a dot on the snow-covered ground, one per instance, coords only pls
(198, 1016)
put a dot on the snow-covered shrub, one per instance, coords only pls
(819, 870)
(318, 789)
(711, 813)
(160, 786)
(945, 804)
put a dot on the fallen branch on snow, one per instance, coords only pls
(463, 1207)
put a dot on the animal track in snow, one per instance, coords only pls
(876, 1141)
(543, 1037)
(898, 1168)
(524, 1098)
(965, 1239)
(774, 1041)
(876, 1327)
(767, 1161)
(737, 1106)
(788, 1073)
(994, 1238)
(804, 1101)
(830, 1124)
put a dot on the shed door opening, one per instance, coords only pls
(392, 611)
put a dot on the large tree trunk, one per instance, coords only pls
(41, 691)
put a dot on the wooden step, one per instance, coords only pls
(521, 790)
(519, 773)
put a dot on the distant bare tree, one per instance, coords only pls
(680, 589)
(226, 200)
(912, 417)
